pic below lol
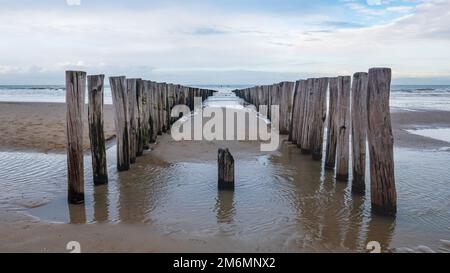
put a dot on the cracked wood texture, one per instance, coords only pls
(359, 131)
(120, 102)
(96, 132)
(381, 143)
(294, 115)
(226, 169)
(133, 117)
(319, 116)
(286, 90)
(330, 158)
(343, 128)
(75, 92)
(308, 115)
(140, 119)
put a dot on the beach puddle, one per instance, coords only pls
(282, 202)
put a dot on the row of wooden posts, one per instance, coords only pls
(359, 108)
(142, 112)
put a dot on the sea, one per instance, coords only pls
(403, 97)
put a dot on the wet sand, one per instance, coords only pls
(40, 127)
(413, 120)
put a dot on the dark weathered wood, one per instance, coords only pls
(170, 103)
(294, 115)
(133, 116)
(226, 169)
(359, 131)
(164, 102)
(120, 102)
(75, 92)
(302, 90)
(160, 101)
(140, 107)
(96, 132)
(330, 159)
(343, 128)
(308, 116)
(319, 112)
(153, 104)
(381, 143)
(146, 104)
(285, 92)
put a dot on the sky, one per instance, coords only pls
(224, 41)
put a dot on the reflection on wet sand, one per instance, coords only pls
(77, 214)
(225, 206)
(101, 204)
(381, 229)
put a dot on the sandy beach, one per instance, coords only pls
(39, 127)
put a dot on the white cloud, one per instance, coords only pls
(182, 44)
(73, 2)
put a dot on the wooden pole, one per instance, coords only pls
(164, 101)
(75, 92)
(132, 115)
(343, 128)
(359, 131)
(319, 116)
(140, 107)
(96, 132)
(381, 143)
(308, 115)
(148, 129)
(285, 92)
(330, 160)
(226, 169)
(294, 115)
(120, 102)
(302, 89)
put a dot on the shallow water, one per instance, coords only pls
(283, 201)
(438, 133)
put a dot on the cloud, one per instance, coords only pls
(378, 2)
(73, 2)
(180, 44)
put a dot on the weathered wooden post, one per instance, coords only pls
(359, 131)
(286, 90)
(133, 115)
(120, 102)
(308, 115)
(75, 92)
(319, 116)
(294, 115)
(343, 128)
(330, 160)
(140, 106)
(96, 133)
(381, 143)
(226, 169)
(302, 89)
(147, 114)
